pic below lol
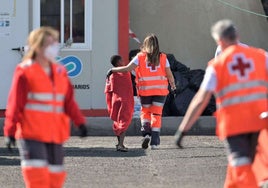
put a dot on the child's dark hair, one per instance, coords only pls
(115, 59)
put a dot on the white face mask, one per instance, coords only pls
(51, 52)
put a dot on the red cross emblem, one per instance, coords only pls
(152, 67)
(241, 66)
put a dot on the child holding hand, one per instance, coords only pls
(120, 101)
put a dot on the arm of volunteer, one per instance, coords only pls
(15, 105)
(126, 68)
(129, 67)
(170, 78)
(16, 101)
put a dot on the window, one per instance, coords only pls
(72, 18)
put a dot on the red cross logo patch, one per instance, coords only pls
(241, 66)
(152, 67)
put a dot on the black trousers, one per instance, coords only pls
(50, 152)
(241, 148)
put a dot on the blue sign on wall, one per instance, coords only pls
(72, 64)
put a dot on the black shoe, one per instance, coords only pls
(145, 142)
(155, 138)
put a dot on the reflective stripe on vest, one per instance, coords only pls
(152, 78)
(34, 163)
(238, 86)
(44, 107)
(242, 99)
(45, 97)
(152, 87)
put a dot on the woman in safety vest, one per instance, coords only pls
(152, 77)
(238, 79)
(40, 105)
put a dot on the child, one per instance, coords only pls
(120, 101)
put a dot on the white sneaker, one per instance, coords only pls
(154, 147)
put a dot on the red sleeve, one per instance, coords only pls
(71, 107)
(16, 101)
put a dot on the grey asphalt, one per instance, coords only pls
(93, 161)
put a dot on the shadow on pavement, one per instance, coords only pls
(9, 158)
(102, 152)
(9, 162)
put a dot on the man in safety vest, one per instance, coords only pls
(260, 163)
(238, 78)
(40, 104)
(153, 75)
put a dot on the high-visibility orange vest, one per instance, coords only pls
(150, 79)
(43, 118)
(241, 92)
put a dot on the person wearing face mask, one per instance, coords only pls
(39, 108)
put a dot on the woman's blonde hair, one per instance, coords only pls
(151, 47)
(37, 38)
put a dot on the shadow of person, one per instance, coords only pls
(102, 152)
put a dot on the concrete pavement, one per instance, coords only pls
(93, 163)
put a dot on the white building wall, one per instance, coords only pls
(104, 45)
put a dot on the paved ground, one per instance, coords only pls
(93, 162)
